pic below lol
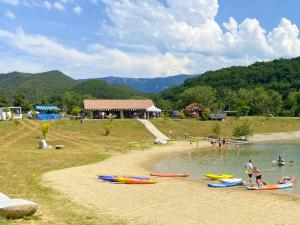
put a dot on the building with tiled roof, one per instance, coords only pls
(120, 108)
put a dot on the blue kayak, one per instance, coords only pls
(108, 178)
(222, 185)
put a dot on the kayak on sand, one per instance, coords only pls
(221, 185)
(286, 179)
(169, 174)
(272, 186)
(113, 178)
(231, 180)
(127, 180)
(217, 176)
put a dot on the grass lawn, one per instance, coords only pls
(22, 164)
(198, 128)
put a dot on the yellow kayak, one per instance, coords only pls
(218, 176)
(134, 181)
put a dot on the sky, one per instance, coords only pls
(144, 38)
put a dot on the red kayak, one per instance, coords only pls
(169, 174)
(287, 179)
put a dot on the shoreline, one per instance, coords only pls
(170, 201)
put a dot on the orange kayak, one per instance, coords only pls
(126, 180)
(169, 174)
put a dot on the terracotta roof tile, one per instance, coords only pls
(117, 104)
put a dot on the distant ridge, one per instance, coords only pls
(35, 86)
(147, 85)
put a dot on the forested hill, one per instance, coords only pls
(243, 87)
(101, 89)
(34, 86)
(54, 87)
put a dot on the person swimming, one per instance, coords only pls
(280, 158)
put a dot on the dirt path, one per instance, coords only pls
(170, 201)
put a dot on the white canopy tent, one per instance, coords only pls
(153, 109)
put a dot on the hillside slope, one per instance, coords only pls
(34, 86)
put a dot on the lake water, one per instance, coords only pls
(232, 161)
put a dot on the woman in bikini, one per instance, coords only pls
(258, 176)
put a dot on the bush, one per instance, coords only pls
(242, 130)
(216, 129)
(181, 115)
(165, 116)
(17, 123)
(45, 129)
(205, 114)
(108, 127)
(76, 111)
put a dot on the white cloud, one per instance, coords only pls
(99, 60)
(148, 38)
(95, 2)
(77, 10)
(48, 5)
(59, 6)
(9, 14)
(11, 2)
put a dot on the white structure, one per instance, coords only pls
(160, 138)
(11, 113)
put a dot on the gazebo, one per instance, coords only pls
(153, 111)
(120, 108)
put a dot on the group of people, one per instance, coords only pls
(253, 170)
(220, 141)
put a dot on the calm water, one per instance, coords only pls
(232, 161)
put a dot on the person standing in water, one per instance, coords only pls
(249, 171)
(258, 176)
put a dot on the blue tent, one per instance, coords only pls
(48, 112)
(47, 108)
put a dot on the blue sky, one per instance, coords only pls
(144, 38)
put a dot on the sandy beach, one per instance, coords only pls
(170, 201)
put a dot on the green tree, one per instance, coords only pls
(205, 114)
(3, 101)
(203, 95)
(242, 130)
(45, 129)
(76, 111)
(20, 101)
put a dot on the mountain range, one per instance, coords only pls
(43, 85)
(149, 85)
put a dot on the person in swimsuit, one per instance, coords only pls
(258, 176)
(249, 171)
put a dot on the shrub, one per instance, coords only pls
(205, 114)
(216, 129)
(76, 111)
(108, 127)
(181, 115)
(45, 129)
(242, 130)
(17, 123)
